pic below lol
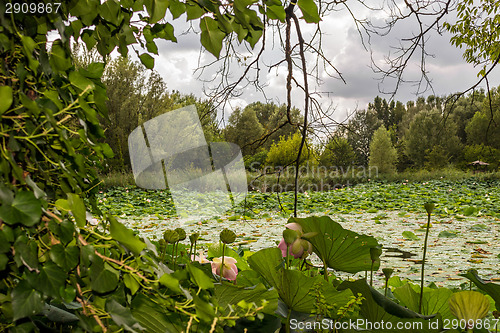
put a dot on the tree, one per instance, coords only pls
(359, 131)
(283, 153)
(383, 155)
(244, 129)
(338, 152)
(484, 127)
(426, 132)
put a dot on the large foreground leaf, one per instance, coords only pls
(377, 308)
(491, 289)
(125, 236)
(294, 288)
(228, 294)
(341, 249)
(434, 300)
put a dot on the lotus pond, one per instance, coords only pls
(464, 233)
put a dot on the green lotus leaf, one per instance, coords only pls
(341, 249)
(469, 306)
(293, 286)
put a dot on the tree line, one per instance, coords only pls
(431, 133)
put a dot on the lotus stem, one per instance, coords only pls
(222, 266)
(423, 262)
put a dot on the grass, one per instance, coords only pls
(312, 181)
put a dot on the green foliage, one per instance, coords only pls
(340, 249)
(426, 132)
(285, 152)
(477, 30)
(338, 152)
(255, 135)
(483, 127)
(382, 153)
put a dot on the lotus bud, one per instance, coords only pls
(171, 236)
(181, 233)
(227, 236)
(289, 236)
(429, 207)
(387, 272)
(194, 237)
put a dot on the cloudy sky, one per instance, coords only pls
(342, 45)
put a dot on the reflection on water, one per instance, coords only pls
(393, 252)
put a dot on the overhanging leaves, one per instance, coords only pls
(24, 209)
(121, 233)
(309, 11)
(211, 36)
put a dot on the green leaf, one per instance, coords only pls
(377, 308)
(410, 235)
(171, 283)
(341, 249)
(25, 301)
(492, 289)
(103, 278)
(434, 300)
(211, 36)
(24, 209)
(228, 294)
(123, 317)
(177, 8)
(199, 277)
(276, 13)
(66, 258)
(469, 305)
(58, 57)
(6, 98)
(50, 279)
(77, 208)
(309, 11)
(156, 9)
(193, 10)
(152, 316)
(122, 234)
(294, 288)
(204, 310)
(131, 283)
(147, 60)
(80, 81)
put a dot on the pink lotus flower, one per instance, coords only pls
(201, 258)
(300, 248)
(230, 270)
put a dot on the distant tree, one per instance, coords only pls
(484, 127)
(463, 111)
(359, 131)
(338, 152)
(244, 129)
(136, 95)
(383, 155)
(284, 152)
(428, 130)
